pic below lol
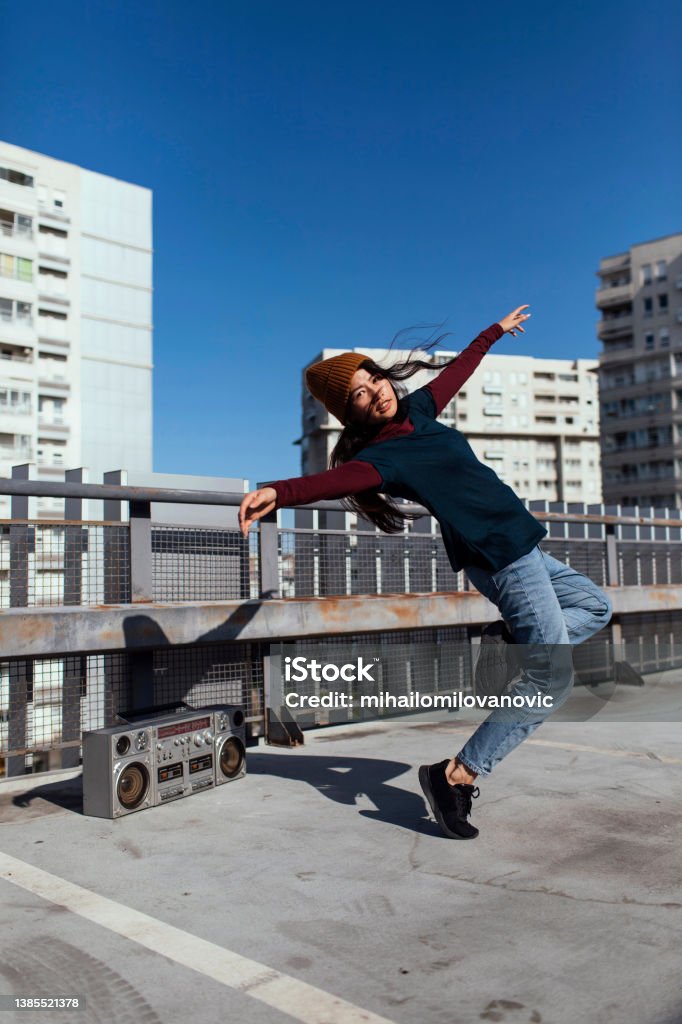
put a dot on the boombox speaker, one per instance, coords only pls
(230, 743)
(118, 774)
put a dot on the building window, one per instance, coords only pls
(661, 270)
(45, 229)
(648, 307)
(24, 269)
(13, 310)
(15, 224)
(664, 337)
(649, 341)
(663, 303)
(16, 267)
(15, 401)
(646, 273)
(16, 177)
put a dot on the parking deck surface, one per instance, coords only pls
(318, 889)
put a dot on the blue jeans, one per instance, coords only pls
(548, 607)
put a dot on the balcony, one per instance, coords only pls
(613, 263)
(54, 380)
(52, 329)
(53, 247)
(52, 290)
(50, 212)
(16, 231)
(615, 326)
(15, 327)
(52, 424)
(631, 454)
(20, 354)
(653, 488)
(605, 297)
(15, 455)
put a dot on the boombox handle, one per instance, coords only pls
(130, 717)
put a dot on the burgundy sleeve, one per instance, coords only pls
(450, 380)
(351, 478)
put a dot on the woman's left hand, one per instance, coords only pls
(511, 323)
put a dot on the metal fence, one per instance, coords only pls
(46, 702)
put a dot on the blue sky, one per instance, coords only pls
(326, 174)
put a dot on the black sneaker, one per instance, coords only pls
(451, 805)
(497, 663)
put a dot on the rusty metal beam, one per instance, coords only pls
(45, 632)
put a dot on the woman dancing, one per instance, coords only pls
(393, 446)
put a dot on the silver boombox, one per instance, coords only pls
(129, 767)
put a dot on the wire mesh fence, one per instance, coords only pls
(89, 563)
(86, 564)
(194, 564)
(46, 703)
(53, 564)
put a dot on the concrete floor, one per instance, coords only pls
(323, 865)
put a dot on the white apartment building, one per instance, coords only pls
(75, 321)
(640, 373)
(534, 421)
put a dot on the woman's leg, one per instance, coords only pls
(586, 608)
(526, 596)
(548, 607)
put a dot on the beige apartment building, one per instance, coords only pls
(640, 373)
(534, 421)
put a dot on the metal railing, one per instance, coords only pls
(123, 612)
(11, 230)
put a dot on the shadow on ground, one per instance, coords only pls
(346, 779)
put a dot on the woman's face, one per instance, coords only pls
(372, 398)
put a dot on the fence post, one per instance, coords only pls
(613, 580)
(141, 582)
(21, 545)
(75, 541)
(17, 739)
(268, 559)
(74, 674)
(21, 540)
(113, 586)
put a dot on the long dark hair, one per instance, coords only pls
(382, 511)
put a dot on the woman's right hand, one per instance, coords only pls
(255, 505)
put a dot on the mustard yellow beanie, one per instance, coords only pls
(329, 381)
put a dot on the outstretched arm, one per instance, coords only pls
(453, 377)
(351, 478)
